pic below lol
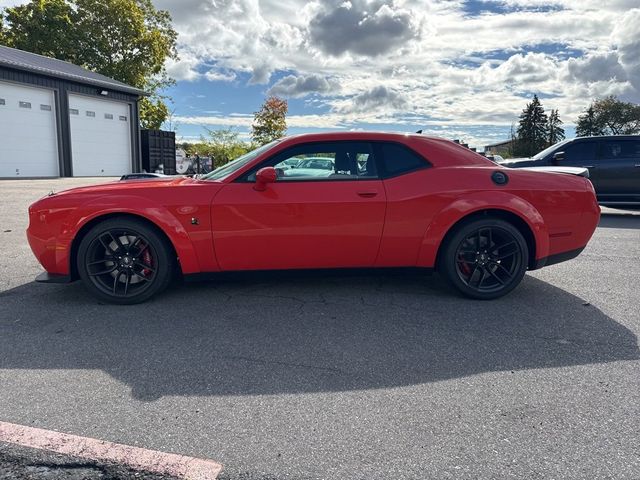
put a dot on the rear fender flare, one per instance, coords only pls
(478, 202)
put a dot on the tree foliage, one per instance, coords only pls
(270, 122)
(223, 145)
(128, 40)
(609, 116)
(532, 131)
(555, 132)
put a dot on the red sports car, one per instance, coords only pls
(377, 200)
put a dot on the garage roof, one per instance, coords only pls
(30, 62)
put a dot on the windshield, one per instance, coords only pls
(547, 151)
(238, 163)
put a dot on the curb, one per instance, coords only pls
(136, 458)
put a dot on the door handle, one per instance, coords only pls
(367, 194)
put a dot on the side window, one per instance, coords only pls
(580, 153)
(613, 150)
(399, 159)
(327, 161)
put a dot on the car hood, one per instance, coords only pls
(122, 186)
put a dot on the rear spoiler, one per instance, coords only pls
(579, 171)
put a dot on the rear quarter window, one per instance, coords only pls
(398, 159)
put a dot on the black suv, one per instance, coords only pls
(613, 163)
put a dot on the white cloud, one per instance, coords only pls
(421, 62)
(293, 86)
(362, 27)
(626, 39)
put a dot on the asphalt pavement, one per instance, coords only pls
(332, 376)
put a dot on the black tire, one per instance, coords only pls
(125, 261)
(484, 258)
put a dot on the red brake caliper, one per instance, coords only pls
(464, 266)
(146, 256)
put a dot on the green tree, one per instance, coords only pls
(531, 134)
(153, 112)
(588, 125)
(269, 123)
(555, 132)
(45, 27)
(609, 116)
(128, 40)
(224, 145)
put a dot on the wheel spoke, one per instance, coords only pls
(126, 281)
(505, 245)
(119, 244)
(107, 246)
(505, 255)
(103, 272)
(133, 243)
(115, 282)
(145, 267)
(473, 274)
(493, 274)
(507, 272)
(484, 274)
(106, 259)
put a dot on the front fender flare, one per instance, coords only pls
(146, 209)
(469, 204)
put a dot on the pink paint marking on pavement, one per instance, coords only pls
(136, 458)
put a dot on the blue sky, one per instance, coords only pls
(454, 68)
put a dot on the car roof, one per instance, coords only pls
(356, 135)
(609, 137)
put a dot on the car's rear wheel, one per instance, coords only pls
(125, 261)
(485, 258)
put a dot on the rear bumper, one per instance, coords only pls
(557, 258)
(46, 277)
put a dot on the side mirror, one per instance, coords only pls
(265, 176)
(558, 157)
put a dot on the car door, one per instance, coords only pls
(584, 153)
(328, 214)
(620, 169)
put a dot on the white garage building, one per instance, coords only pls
(61, 120)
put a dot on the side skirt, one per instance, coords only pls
(305, 273)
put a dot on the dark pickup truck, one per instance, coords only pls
(613, 163)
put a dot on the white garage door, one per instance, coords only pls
(28, 139)
(100, 137)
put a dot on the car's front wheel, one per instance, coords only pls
(125, 261)
(485, 258)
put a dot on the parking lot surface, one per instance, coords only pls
(333, 376)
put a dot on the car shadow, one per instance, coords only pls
(304, 333)
(620, 221)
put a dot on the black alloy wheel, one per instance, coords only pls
(485, 258)
(124, 261)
